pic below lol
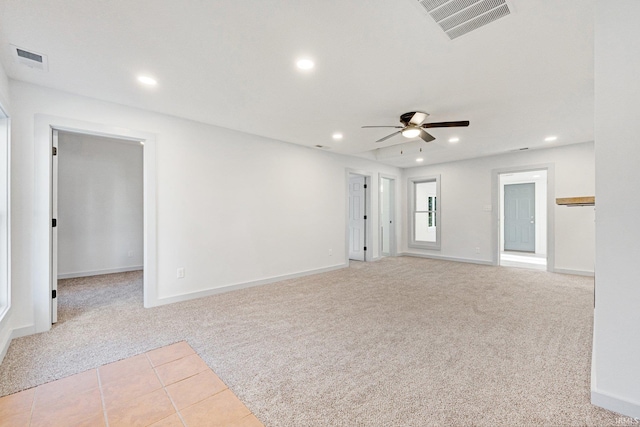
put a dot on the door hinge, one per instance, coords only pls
(365, 186)
(54, 222)
(55, 151)
(365, 248)
(365, 217)
(53, 294)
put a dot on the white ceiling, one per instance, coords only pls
(232, 64)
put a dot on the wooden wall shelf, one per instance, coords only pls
(576, 201)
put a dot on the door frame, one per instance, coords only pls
(392, 213)
(42, 230)
(368, 202)
(495, 185)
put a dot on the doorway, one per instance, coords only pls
(97, 196)
(387, 216)
(523, 219)
(358, 207)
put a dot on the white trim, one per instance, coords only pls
(243, 285)
(7, 274)
(15, 333)
(41, 276)
(446, 258)
(574, 272)
(616, 404)
(99, 272)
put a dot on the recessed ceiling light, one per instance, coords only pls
(146, 80)
(337, 136)
(419, 159)
(305, 64)
(551, 138)
(454, 140)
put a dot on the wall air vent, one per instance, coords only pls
(30, 58)
(459, 17)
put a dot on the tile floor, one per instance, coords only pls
(169, 386)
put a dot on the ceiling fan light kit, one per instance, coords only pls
(413, 126)
(411, 132)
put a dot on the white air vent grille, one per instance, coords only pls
(458, 17)
(30, 58)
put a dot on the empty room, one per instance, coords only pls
(270, 213)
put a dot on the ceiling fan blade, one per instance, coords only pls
(397, 127)
(426, 136)
(389, 136)
(446, 124)
(418, 118)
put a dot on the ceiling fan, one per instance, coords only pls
(413, 126)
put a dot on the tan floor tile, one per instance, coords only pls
(143, 411)
(121, 391)
(221, 409)
(67, 410)
(95, 421)
(16, 403)
(194, 389)
(170, 421)
(16, 420)
(167, 354)
(248, 421)
(180, 369)
(73, 385)
(123, 368)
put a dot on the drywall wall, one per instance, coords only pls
(5, 278)
(99, 205)
(466, 205)
(616, 341)
(232, 208)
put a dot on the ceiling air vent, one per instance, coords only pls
(30, 58)
(458, 17)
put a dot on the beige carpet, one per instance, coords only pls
(399, 342)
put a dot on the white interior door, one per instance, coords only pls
(54, 229)
(357, 218)
(387, 226)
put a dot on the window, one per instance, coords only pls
(425, 214)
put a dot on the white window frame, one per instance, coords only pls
(413, 243)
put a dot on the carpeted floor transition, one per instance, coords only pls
(398, 342)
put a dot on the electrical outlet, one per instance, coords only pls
(330, 252)
(130, 253)
(180, 273)
(477, 250)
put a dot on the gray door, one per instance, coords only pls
(519, 217)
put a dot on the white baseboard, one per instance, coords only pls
(616, 404)
(574, 272)
(99, 272)
(222, 289)
(446, 258)
(15, 333)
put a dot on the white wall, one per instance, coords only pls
(5, 280)
(232, 208)
(466, 192)
(99, 205)
(616, 345)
